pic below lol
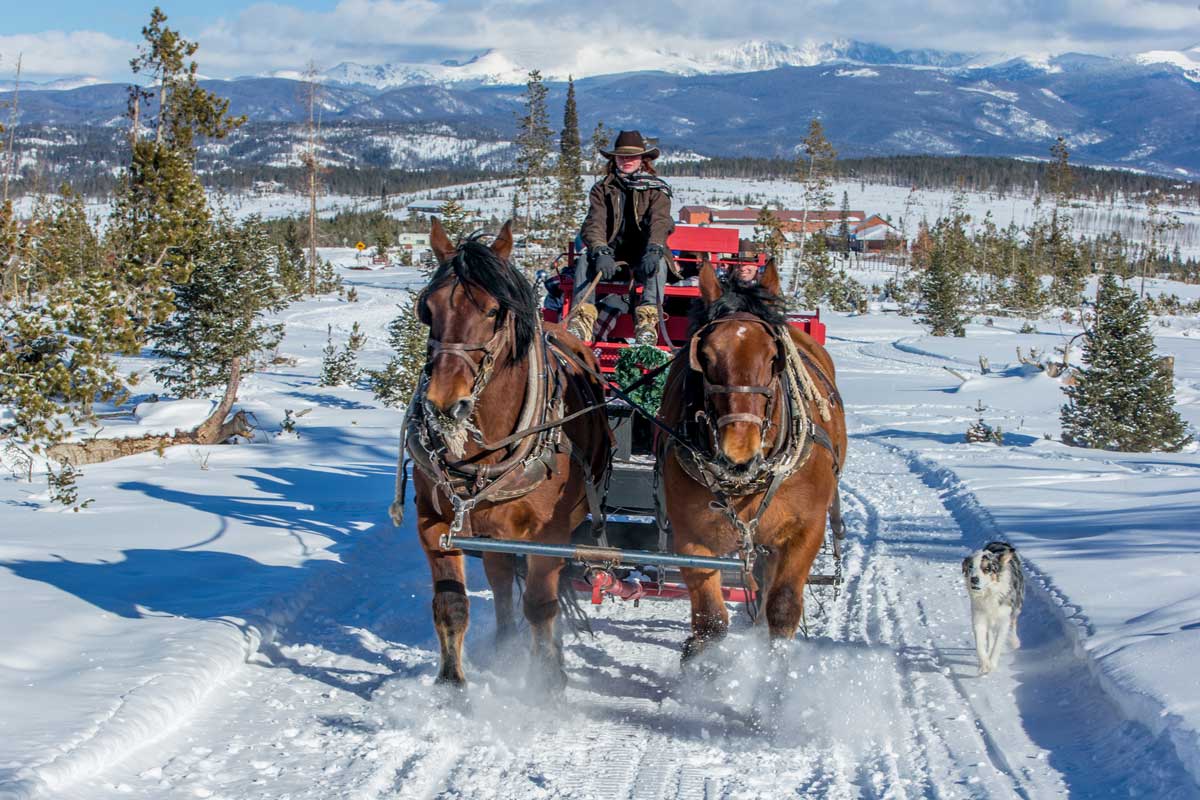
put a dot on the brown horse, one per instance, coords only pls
(742, 397)
(491, 457)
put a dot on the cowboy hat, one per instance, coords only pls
(630, 143)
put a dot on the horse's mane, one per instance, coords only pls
(476, 265)
(740, 299)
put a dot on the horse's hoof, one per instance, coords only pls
(454, 681)
(695, 645)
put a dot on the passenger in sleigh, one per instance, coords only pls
(628, 220)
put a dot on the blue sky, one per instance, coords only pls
(79, 37)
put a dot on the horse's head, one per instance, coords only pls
(480, 312)
(734, 348)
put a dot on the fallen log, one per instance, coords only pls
(216, 429)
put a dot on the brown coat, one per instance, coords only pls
(606, 209)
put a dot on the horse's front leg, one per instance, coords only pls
(541, 609)
(451, 607)
(710, 617)
(785, 597)
(500, 569)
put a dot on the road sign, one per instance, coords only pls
(360, 247)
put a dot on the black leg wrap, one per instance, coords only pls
(454, 587)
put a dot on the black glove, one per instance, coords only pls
(603, 261)
(649, 264)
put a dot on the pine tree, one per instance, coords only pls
(844, 224)
(601, 138)
(383, 238)
(534, 143)
(769, 233)
(569, 207)
(57, 338)
(217, 325)
(454, 219)
(293, 266)
(1068, 269)
(814, 169)
(339, 366)
(1125, 399)
(160, 217)
(943, 286)
(395, 383)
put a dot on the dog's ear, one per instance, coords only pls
(966, 566)
(1006, 558)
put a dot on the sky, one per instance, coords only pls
(73, 37)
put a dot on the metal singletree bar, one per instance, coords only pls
(611, 556)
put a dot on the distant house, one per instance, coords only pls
(410, 241)
(425, 206)
(874, 233)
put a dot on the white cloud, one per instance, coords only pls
(559, 36)
(56, 53)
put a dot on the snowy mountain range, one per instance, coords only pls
(1137, 112)
(495, 68)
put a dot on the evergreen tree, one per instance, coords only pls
(383, 239)
(395, 383)
(814, 169)
(569, 206)
(601, 138)
(293, 265)
(58, 336)
(454, 219)
(217, 324)
(160, 216)
(1125, 399)
(534, 144)
(68, 246)
(1068, 269)
(769, 233)
(844, 224)
(943, 286)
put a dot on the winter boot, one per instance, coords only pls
(583, 322)
(645, 328)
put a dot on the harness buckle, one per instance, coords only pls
(461, 509)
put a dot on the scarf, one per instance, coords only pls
(641, 181)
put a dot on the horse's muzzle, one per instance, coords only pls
(741, 443)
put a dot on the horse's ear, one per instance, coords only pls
(770, 278)
(710, 284)
(503, 244)
(440, 243)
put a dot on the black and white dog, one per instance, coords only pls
(996, 584)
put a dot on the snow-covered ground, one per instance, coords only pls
(244, 622)
(906, 208)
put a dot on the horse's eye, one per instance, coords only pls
(495, 312)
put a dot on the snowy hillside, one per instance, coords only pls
(905, 208)
(243, 621)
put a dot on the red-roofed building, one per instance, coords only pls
(791, 221)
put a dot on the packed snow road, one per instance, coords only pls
(881, 700)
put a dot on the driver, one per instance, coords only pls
(628, 219)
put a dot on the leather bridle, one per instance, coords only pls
(707, 412)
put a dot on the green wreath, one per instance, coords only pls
(632, 364)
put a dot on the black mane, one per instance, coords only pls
(476, 265)
(744, 299)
